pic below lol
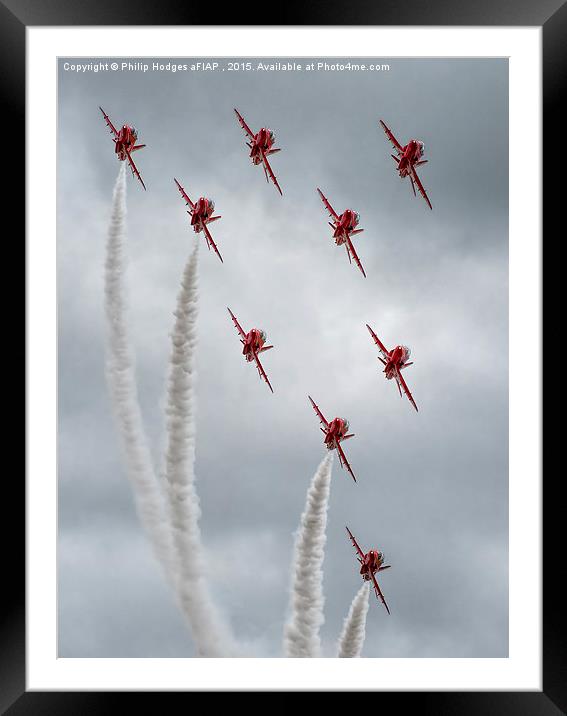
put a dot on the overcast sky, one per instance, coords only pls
(432, 489)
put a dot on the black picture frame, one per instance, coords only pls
(551, 15)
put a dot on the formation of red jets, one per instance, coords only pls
(344, 226)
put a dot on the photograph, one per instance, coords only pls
(282, 357)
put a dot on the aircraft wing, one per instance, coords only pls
(401, 382)
(420, 187)
(344, 462)
(378, 342)
(184, 194)
(135, 171)
(355, 543)
(243, 124)
(238, 326)
(261, 370)
(108, 122)
(319, 413)
(210, 242)
(269, 171)
(329, 208)
(379, 592)
(397, 146)
(351, 251)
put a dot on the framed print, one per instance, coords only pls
(281, 283)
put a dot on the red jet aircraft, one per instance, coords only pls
(261, 146)
(201, 213)
(344, 226)
(394, 361)
(335, 432)
(409, 157)
(370, 563)
(253, 344)
(125, 143)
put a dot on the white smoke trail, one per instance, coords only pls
(352, 636)
(301, 633)
(121, 378)
(212, 636)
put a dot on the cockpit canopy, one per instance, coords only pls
(134, 132)
(407, 352)
(211, 204)
(356, 217)
(346, 424)
(421, 148)
(272, 135)
(263, 334)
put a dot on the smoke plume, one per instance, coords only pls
(210, 633)
(352, 636)
(301, 633)
(121, 378)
